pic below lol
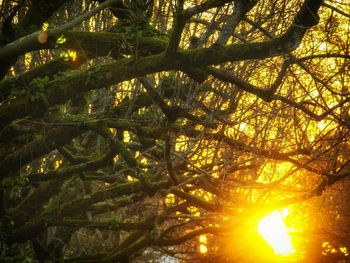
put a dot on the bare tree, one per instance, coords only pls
(131, 128)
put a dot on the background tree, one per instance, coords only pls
(162, 130)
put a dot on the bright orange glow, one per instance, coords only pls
(344, 250)
(203, 244)
(274, 231)
(329, 249)
(203, 239)
(203, 249)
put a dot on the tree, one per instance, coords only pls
(143, 130)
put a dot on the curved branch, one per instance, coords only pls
(23, 43)
(37, 148)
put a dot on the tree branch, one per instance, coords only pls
(26, 42)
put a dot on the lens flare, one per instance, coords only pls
(273, 229)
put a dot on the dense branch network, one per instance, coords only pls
(152, 134)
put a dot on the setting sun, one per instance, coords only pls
(175, 131)
(274, 231)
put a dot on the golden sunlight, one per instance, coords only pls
(203, 244)
(273, 229)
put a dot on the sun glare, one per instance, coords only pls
(274, 231)
(203, 244)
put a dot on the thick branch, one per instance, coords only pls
(37, 148)
(27, 41)
(62, 90)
